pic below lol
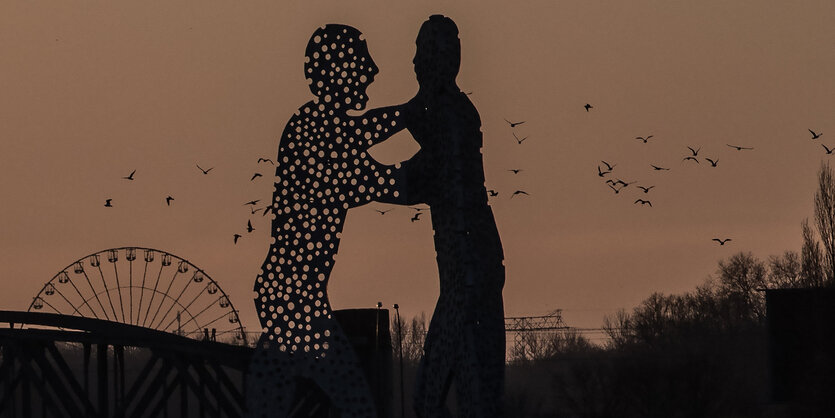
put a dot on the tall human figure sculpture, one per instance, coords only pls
(465, 343)
(322, 169)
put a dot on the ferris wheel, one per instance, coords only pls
(144, 287)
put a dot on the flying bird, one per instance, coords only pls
(657, 168)
(602, 173)
(611, 186)
(249, 227)
(130, 177)
(619, 181)
(265, 160)
(738, 148)
(107, 203)
(515, 171)
(253, 210)
(610, 167)
(643, 202)
(383, 212)
(204, 171)
(643, 139)
(519, 141)
(646, 189)
(492, 193)
(690, 158)
(588, 106)
(815, 135)
(514, 124)
(266, 210)
(168, 200)
(419, 209)
(416, 217)
(828, 151)
(255, 176)
(252, 202)
(519, 192)
(235, 237)
(712, 163)
(721, 241)
(695, 151)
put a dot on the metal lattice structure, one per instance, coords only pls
(143, 287)
(65, 366)
(518, 329)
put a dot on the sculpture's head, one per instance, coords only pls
(338, 67)
(438, 53)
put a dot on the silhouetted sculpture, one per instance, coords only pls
(465, 342)
(322, 169)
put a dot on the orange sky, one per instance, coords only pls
(90, 91)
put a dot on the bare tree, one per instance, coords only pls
(741, 278)
(784, 271)
(811, 259)
(825, 219)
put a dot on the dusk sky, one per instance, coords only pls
(90, 91)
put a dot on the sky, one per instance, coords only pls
(90, 91)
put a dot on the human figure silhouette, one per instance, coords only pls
(465, 343)
(322, 169)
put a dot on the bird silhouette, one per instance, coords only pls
(168, 200)
(815, 135)
(643, 139)
(383, 212)
(519, 141)
(619, 181)
(690, 158)
(695, 151)
(712, 162)
(602, 173)
(515, 171)
(107, 203)
(235, 237)
(739, 148)
(721, 241)
(657, 168)
(253, 210)
(646, 189)
(492, 193)
(643, 202)
(249, 227)
(519, 192)
(588, 106)
(828, 151)
(609, 167)
(421, 209)
(130, 177)
(266, 210)
(416, 217)
(252, 202)
(255, 176)
(514, 124)
(204, 171)
(265, 160)
(611, 186)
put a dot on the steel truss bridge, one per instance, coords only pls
(55, 365)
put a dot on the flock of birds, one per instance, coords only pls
(691, 157)
(252, 204)
(616, 184)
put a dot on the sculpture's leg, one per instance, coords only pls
(480, 376)
(434, 374)
(270, 383)
(340, 375)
